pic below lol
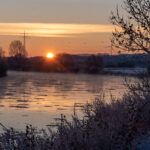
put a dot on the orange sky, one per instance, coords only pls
(71, 26)
(70, 38)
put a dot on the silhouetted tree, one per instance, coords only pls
(67, 63)
(16, 48)
(38, 64)
(133, 33)
(94, 64)
(18, 53)
(3, 63)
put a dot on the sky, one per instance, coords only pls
(58, 26)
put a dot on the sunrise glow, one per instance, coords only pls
(53, 29)
(50, 55)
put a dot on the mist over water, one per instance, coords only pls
(38, 98)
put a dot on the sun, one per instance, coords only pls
(50, 55)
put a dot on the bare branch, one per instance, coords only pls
(134, 29)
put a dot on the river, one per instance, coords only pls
(38, 98)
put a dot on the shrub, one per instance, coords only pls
(128, 64)
(67, 63)
(94, 64)
(18, 62)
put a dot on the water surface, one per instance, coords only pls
(37, 98)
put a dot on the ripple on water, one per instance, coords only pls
(38, 98)
(54, 92)
(43, 95)
(22, 101)
(61, 109)
(19, 106)
(68, 106)
(48, 106)
(9, 94)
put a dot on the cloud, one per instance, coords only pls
(52, 30)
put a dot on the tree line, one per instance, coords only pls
(64, 62)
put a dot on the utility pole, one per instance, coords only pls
(24, 39)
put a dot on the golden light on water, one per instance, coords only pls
(50, 55)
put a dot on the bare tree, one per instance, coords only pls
(132, 31)
(16, 48)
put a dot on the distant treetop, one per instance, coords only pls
(16, 48)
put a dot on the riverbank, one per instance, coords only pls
(106, 71)
(125, 71)
(122, 123)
